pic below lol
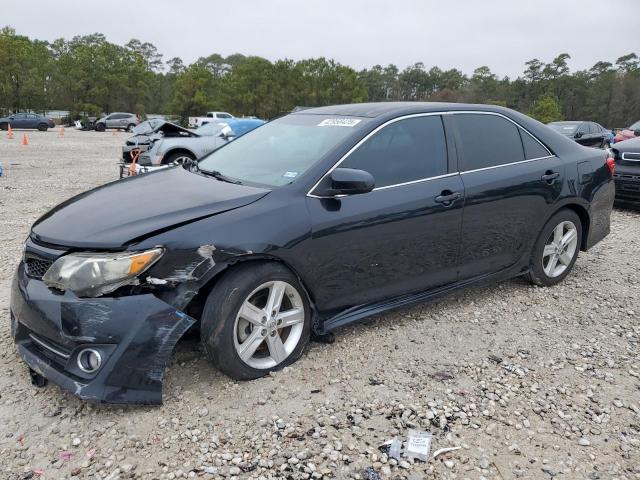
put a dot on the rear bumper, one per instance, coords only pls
(135, 336)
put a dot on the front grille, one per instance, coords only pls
(37, 267)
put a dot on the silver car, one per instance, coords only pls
(117, 120)
(207, 138)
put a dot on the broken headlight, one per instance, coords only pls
(95, 274)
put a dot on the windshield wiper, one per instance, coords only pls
(193, 166)
(219, 176)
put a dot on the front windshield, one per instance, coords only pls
(278, 152)
(209, 129)
(565, 128)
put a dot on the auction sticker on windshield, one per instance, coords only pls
(339, 122)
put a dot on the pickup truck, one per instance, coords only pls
(195, 122)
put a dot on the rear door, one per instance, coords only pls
(510, 180)
(403, 236)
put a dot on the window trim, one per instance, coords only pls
(450, 174)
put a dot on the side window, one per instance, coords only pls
(532, 148)
(487, 141)
(404, 151)
(224, 115)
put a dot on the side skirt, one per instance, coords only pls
(361, 312)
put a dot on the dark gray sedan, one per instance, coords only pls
(26, 120)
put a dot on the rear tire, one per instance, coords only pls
(130, 127)
(4, 126)
(556, 250)
(100, 127)
(240, 337)
(43, 127)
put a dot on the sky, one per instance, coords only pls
(463, 34)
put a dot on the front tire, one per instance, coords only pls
(4, 126)
(178, 158)
(556, 250)
(43, 127)
(130, 127)
(256, 320)
(100, 127)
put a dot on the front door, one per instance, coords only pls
(403, 236)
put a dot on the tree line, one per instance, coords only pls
(89, 75)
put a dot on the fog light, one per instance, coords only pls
(89, 360)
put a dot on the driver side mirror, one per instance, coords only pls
(349, 181)
(578, 135)
(636, 133)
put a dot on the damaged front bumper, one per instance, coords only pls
(134, 335)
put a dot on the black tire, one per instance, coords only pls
(43, 127)
(217, 329)
(537, 274)
(130, 127)
(4, 126)
(177, 157)
(100, 127)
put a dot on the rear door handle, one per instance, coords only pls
(550, 176)
(447, 197)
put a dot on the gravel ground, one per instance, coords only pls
(530, 382)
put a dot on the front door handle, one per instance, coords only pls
(447, 197)
(549, 176)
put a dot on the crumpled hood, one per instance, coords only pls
(115, 214)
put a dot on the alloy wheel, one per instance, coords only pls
(560, 249)
(269, 325)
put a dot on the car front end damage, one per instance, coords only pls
(112, 348)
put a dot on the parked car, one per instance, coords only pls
(195, 122)
(117, 120)
(589, 134)
(627, 133)
(311, 222)
(627, 174)
(150, 130)
(27, 120)
(143, 136)
(164, 151)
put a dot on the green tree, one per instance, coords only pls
(546, 109)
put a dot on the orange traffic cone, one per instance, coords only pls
(25, 141)
(114, 132)
(61, 131)
(10, 133)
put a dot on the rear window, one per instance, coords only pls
(532, 147)
(488, 141)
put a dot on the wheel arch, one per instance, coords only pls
(585, 220)
(175, 150)
(194, 307)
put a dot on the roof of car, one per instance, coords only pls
(377, 109)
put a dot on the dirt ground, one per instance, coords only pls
(530, 382)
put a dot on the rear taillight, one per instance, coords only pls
(611, 164)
